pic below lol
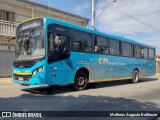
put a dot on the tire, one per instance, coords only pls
(135, 76)
(80, 81)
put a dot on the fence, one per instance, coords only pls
(8, 28)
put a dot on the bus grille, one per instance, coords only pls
(22, 78)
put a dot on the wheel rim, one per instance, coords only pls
(135, 76)
(80, 81)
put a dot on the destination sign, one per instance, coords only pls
(30, 24)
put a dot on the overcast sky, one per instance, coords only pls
(135, 19)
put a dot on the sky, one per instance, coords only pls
(138, 20)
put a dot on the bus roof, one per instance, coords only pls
(49, 19)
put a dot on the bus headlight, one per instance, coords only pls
(40, 69)
(36, 71)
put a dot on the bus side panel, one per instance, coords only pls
(152, 67)
(100, 67)
(104, 66)
(81, 60)
(144, 67)
(60, 71)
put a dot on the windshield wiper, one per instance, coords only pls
(27, 40)
(21, 45)
(29, 34)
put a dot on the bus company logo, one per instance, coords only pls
(103, 61)
(106, 61)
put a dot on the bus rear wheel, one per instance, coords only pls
(135, 76)
(80, 81)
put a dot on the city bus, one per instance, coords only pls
(53, 52)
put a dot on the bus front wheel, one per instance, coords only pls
(135, 76)
(80, 81)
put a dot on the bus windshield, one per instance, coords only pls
(30, 44)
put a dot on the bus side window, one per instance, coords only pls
(51, 41)
(115, 47)
(58, 43)
(82, 41)
(151, 53)
(145, 53)
(76, 45)
(137, 51)
(101, 45)
(65, 43)
(126, 49)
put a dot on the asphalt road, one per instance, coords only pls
(108, 96)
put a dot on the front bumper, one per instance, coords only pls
(38, 79)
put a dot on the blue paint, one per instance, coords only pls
(99, 66)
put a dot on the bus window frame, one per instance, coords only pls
(83, 32)
(54, 30)
(69, 34)
(107, 45)
(140, 51)
(119, 41)
(93, 35)
(143, 53)
(153, 54)
(131, 49)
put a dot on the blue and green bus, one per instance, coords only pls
(53, 52)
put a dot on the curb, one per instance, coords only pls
(6, 81)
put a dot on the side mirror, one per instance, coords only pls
(9, 44)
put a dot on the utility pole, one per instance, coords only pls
(93, 15)
(32, 11)
(49, 6)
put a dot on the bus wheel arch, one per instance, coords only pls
(136, 69)
(85, 70)
(135, 75)
(81, 79)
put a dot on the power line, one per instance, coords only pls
(105, 23)
(131, 16)
(105, 8)
(117, 26)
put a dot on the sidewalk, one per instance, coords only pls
(5, 81)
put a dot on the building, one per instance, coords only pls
(158, 63)
(12, 12)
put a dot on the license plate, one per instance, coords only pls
(20, 78)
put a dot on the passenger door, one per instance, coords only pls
(59, 53)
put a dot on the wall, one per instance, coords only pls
(6, 59)
(158, 64)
